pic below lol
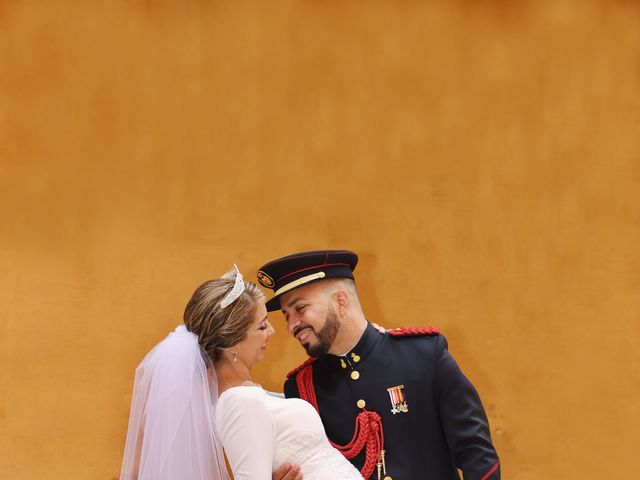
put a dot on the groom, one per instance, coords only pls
(395, 404)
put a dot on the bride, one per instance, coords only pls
(194, 392)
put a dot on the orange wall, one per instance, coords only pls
(481, 156)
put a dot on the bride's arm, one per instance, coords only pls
(247, 434)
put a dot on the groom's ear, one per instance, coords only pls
(343, 301)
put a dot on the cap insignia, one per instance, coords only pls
(265, 280)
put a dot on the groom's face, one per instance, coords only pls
(311, 318)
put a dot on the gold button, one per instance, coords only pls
(361, 403)
(388, 478)
(355, 375)
(355, 357)
(342, 363)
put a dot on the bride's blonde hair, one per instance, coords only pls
(220, 328)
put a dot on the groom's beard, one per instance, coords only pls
(325, 336)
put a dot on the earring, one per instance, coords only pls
(235, 356)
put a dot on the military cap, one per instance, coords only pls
(287, 273)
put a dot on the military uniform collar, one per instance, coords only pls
(359, 353)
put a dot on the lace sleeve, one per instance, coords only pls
(247, 432)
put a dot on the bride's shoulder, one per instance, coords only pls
(242, 398)
(242, 392)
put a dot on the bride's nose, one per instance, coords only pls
(270, 329)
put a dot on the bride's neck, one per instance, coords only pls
(231, 374)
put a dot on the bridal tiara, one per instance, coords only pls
(236, 291)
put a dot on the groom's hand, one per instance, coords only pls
(287, 472)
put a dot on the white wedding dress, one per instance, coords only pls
(260, 432)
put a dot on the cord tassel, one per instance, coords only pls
(368, 433)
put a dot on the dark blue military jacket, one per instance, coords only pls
(444, 427)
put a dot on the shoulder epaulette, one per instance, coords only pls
(413, 331)
(308, 361)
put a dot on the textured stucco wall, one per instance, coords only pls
(481, 156)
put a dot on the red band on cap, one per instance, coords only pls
(315, 266)
(311, 254)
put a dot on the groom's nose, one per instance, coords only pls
(292, 323)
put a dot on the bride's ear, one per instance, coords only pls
(231, 354)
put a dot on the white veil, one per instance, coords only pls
(171, 430)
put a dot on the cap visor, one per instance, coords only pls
(273, 304)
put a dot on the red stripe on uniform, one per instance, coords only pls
(491, 471)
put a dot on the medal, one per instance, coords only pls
(398, 400)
